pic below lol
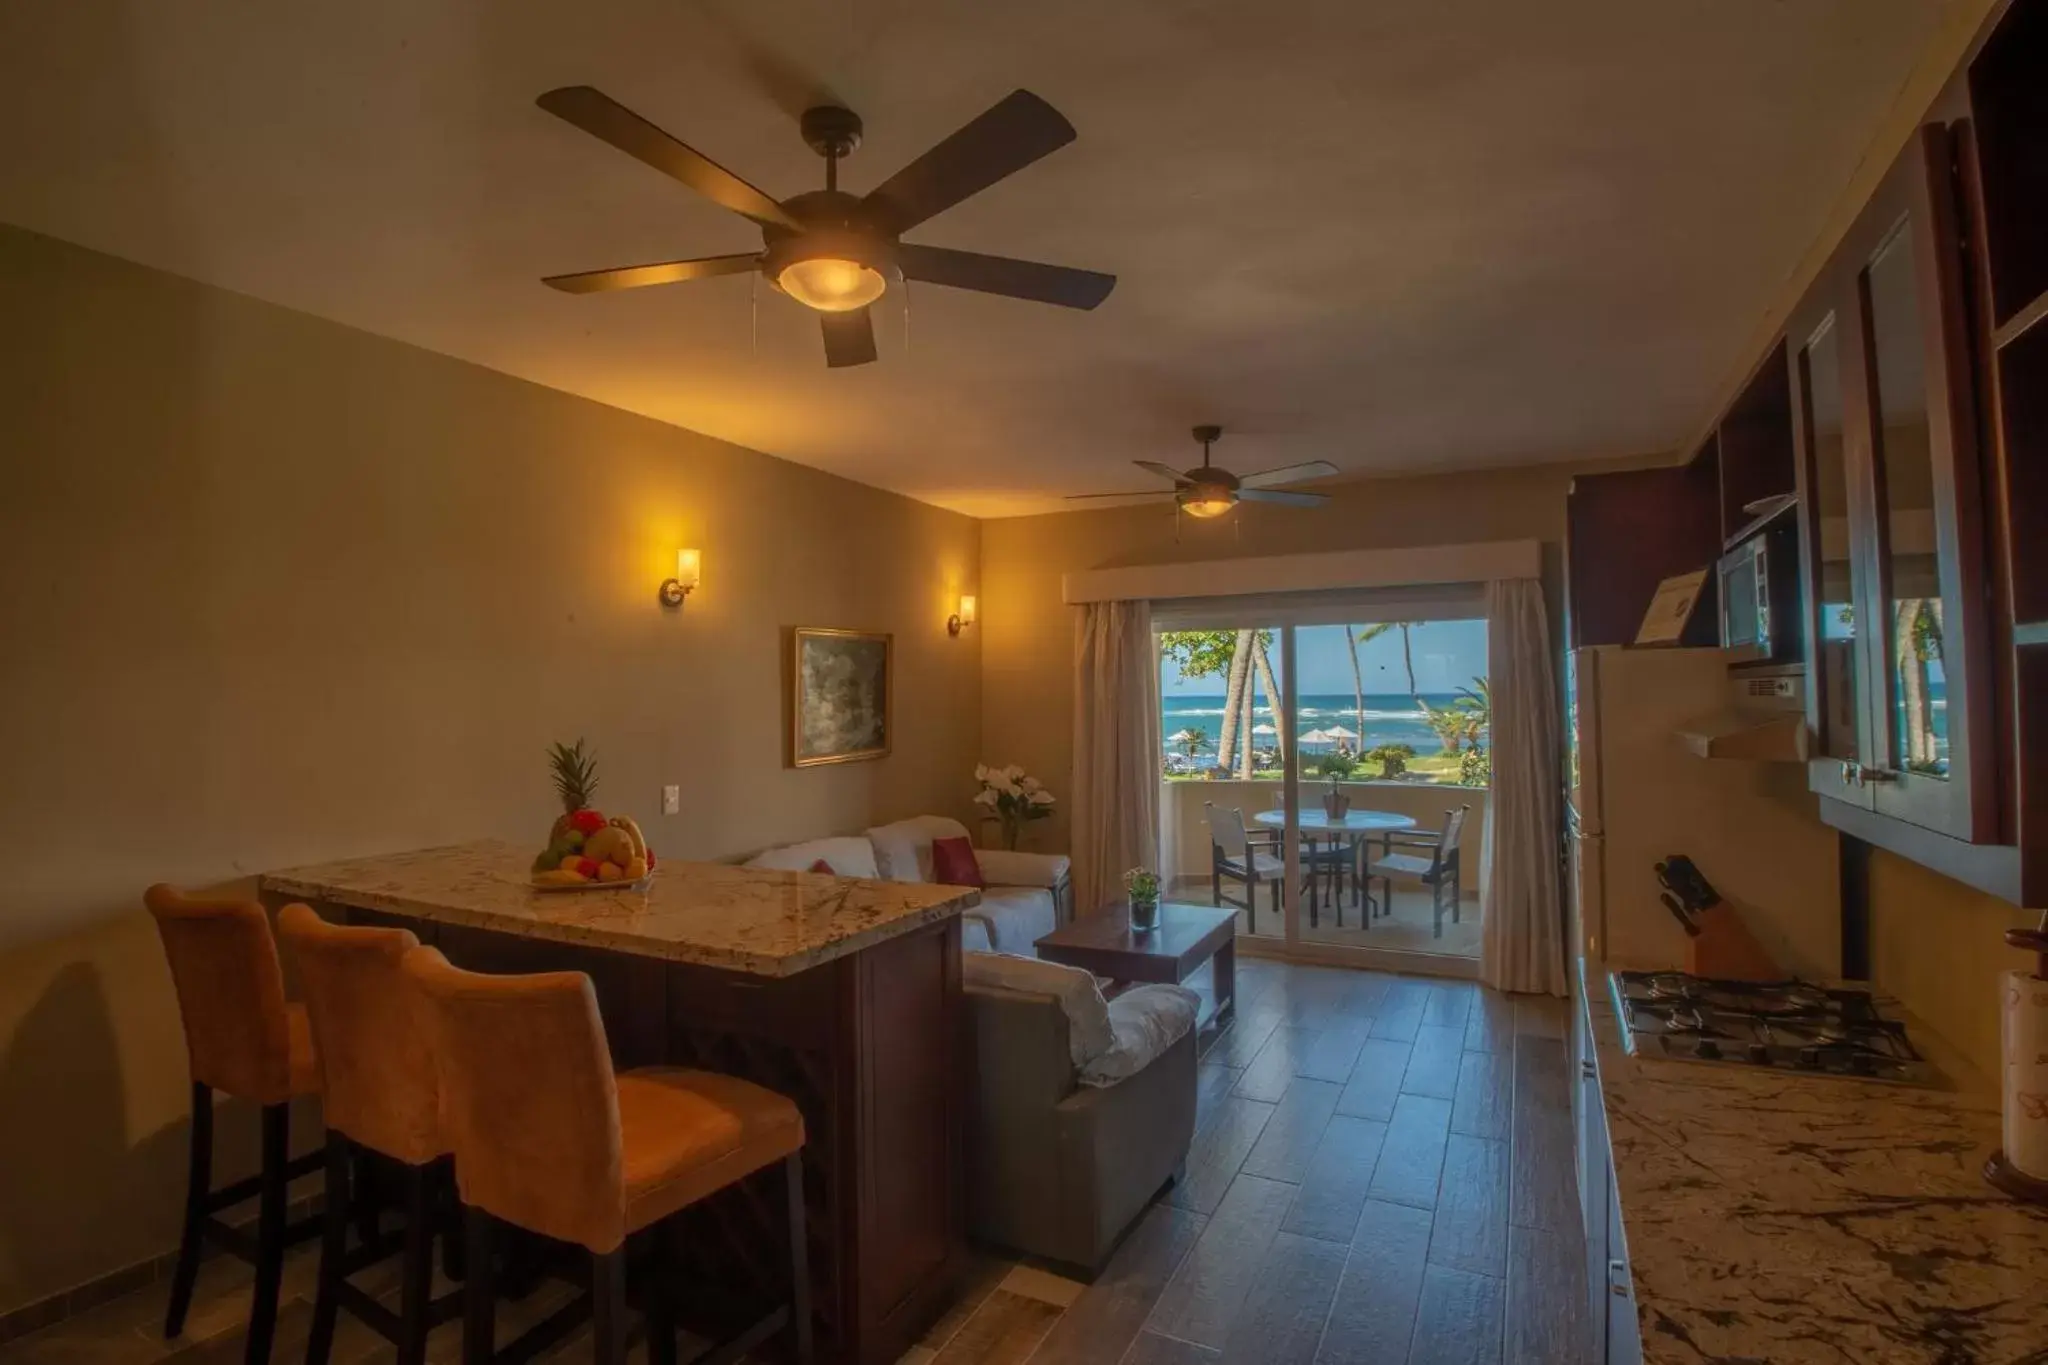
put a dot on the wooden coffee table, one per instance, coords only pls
(1187, 936)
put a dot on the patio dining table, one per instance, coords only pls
(1353, 827)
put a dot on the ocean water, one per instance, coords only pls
(1389, 718)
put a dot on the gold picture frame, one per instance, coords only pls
(842, 695)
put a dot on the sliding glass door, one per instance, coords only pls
(1377, 723)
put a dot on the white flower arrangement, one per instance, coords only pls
(1012, 797)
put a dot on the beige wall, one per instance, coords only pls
(1027, 645)
(1939, 947)
(279, 590)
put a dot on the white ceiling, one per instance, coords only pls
(1397, 236)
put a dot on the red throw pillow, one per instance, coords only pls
(822, 866)
(954, 864)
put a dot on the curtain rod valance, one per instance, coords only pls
(1404, 566)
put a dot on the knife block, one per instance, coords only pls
(1725, 948)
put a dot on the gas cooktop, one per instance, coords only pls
(1786, 1025)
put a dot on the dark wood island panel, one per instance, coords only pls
(868, 1047)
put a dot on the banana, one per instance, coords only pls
(626, 823)
(559, 877)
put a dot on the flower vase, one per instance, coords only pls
(1144, 914)
(1337, 804)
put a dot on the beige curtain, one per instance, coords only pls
(1522, 939)
(1116, 750)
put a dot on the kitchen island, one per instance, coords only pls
(1775, 1216)
(842, 993)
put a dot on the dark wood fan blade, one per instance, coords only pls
(1163, 471)
(849, 338)
(1141, 493)
(1284, 499)
(1063, 285)
(605, 118)
(1292, 473)
(1019, 130)
(661, 272)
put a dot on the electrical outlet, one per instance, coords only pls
(671, 800)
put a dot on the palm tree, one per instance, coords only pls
(1358, 638)
(1262, 661)
(1192, 739)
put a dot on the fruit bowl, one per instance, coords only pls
(585, 851)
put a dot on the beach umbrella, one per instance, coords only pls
(1264, 730)
(1339, 732)
(1319, 737)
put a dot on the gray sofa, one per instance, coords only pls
(1057, 1169)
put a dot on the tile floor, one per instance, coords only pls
(1382, 1173)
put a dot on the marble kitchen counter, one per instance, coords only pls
(1782, 1218)
(741, 919)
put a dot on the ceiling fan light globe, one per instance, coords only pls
(1207, 502)
(831, 284)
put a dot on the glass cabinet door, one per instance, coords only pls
(1835, 711)
(1912, 423)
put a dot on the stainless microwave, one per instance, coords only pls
(1761, 614)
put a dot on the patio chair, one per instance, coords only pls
(1439, 871)
(1235, 855)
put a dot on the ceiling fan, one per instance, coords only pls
(828, 249)
(1210, 490)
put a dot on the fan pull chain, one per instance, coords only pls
(754, 312)
(906, 317)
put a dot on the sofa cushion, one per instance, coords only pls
(849, 857)
(1088, 1028)
(1144, 1022)
(903, 850)
(953, 863)
(1016, 917)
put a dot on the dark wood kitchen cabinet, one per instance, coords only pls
(1918, 367)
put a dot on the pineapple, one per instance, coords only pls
(575, 773)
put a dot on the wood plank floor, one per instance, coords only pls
(1382, 1173)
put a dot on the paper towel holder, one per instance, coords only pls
(2003, 1175)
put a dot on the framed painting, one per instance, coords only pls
(843, 689)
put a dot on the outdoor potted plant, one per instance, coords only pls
(1141, 884)
(1336, 767)
(1392, 758)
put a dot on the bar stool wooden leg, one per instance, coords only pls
(198, 1185)
(608, 1306)
(661, 1309)
(799, 1258)
(269, 1233)
(333, 1250)
(479, 1303)
(416, 1273)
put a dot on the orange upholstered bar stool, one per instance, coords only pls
(243, 1039)
(379, 1095)
(549, 1139)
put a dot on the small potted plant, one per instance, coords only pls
(1335, 768)
(1141, 884)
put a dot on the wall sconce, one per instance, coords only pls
(689, 568)
(961, 619)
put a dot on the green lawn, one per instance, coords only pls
(1438, 768)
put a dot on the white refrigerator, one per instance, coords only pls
(1637, 795)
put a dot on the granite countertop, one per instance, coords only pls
(741, 919)
(1781, 1218)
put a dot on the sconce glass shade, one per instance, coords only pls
(967, 610)
(689, 569)
(832, 285)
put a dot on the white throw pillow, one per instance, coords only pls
(1088, 1029)
(1145, 1021)
(847, 856)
